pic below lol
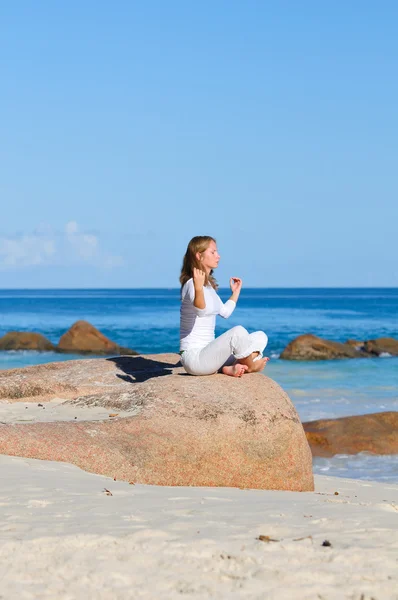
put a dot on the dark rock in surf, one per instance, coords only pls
(25, 340)
(311, 347)
(376, 433)
(84, 338)
(382, 346)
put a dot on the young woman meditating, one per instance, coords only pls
(235, 352)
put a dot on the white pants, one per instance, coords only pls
(231, 345)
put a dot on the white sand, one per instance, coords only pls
(62, 536)
(58, 409)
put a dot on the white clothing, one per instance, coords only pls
(202, 353)
(231, 345)
(197, 325)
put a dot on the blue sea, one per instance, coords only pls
(147, 320)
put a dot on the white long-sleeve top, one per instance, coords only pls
(197, 325)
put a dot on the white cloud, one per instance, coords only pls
(25, 251)
(71, 228)
(44, 247)
(85, 245)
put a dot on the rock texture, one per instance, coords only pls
(202, 431)
(25, 340)
(311, 347)
(377, 433)
(84, 338)
(381, 346)
(357, 344)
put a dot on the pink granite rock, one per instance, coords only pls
(384, 345)
(312, 347)
(376, 433)
(25, 340)
(184, 430)
(84, 338)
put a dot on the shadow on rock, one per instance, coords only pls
(139, 369)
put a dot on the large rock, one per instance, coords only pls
(382, 346)
(25, 340)
(377, 433)
(184, 430)
(311, 347)
(84, 338)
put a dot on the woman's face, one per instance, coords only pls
(210, 258)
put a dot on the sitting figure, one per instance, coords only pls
(235, 352)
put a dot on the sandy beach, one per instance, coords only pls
(67, 534)
(58, 409)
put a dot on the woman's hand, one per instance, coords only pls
(235, 284)
(198, 279)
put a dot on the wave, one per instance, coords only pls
(365, 466)
(28, 352)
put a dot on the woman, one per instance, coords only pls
(235, 352)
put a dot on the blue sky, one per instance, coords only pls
(129, 127)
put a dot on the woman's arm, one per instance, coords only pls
(226, 310)
(198, 283)
(188, 292)
(236, 286)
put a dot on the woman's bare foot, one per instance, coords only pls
(254, 366)
(236, 370)
(259, 365)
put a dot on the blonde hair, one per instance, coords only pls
(199, 243)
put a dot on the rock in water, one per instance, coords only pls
(377, 433)
(25, 340)
(382, 346)
(84, 338)
(357, 344)
(311, 347)
(184, 430)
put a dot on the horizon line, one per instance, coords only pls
(338, 287)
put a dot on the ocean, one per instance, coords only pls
(147, 320)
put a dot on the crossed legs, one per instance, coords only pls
(235, 352)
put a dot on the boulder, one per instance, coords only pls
(84, 338)
(358, 345)
(382, 346)
(311, 347)
(25, 340)
(183, 430)
(377, 433)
